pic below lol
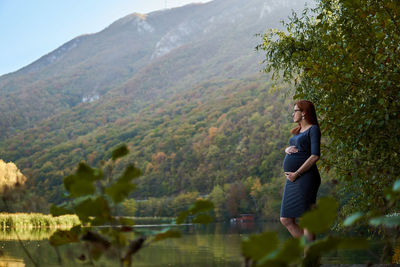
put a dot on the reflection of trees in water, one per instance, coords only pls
(11, 262)
(13, 254)
(26, 234)
(194, 249)
(203, 246)
(213, 245)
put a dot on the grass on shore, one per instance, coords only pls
(36, 220)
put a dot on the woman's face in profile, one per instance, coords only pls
(296, 114)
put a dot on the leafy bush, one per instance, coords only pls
(94, 196)
(343, 56)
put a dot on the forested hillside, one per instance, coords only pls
(224, 131)
(181, 87)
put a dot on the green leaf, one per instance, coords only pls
(97, 208)
(352, 218)
(59, 211)
(81, 183)
(119, 191)
(97, 239)
(133, 248)
(320, 219)
(167, 234)
(258, 246)
(380, 35)
(120, 152)
(61, 237)
(122, 188)
(76, 229)
(353, 243)
(130, 173)
(85, 172)
(201, 205)
(78, 188)
(98, 243)
(396, 186)
(292, 250)
(317, 248)
(388, 221)
(203, 219)
(299, 96)
(182, 217)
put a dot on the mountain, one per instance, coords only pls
(144, 78)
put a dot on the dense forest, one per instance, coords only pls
(225, 138)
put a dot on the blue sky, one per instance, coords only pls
(30, 29)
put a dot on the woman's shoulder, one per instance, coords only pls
(314, 129)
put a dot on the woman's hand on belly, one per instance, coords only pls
(291, 176)
(291, 149)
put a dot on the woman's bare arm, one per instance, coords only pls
(308, 164)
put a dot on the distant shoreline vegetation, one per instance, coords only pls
(153, 220)
(39, 220)
(36, 220)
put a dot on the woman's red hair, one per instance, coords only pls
(309, 114)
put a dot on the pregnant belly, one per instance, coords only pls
(293, 161)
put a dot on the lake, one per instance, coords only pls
(213, 245)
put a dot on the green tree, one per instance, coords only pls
(217, 196)
(129, 206)
(344, 56)
(183, 201)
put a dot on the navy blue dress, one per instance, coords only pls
(300, 195)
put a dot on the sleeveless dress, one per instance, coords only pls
(300, 195)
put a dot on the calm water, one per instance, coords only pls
(213, 245)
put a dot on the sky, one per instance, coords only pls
(30, 29)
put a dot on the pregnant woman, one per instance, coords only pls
(302, 176)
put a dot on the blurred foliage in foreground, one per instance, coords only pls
(94, 196)
(265, 249)
(344, 55)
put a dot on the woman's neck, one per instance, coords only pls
(304, 124)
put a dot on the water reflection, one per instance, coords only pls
(26, 234)
(212, 245)
(11, 262)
